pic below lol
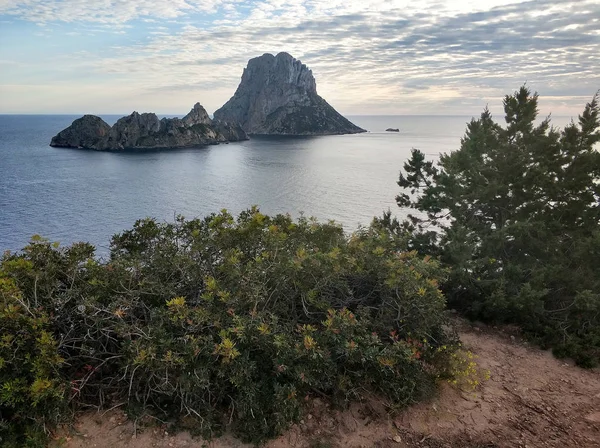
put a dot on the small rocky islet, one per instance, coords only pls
(147, 131)
(276, 96)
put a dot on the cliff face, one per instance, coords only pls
(147, 131)
(278, 95)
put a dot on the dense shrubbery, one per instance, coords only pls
(32, 392)
(519, 211)
(217, 322)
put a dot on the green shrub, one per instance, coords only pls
(233, 322)
(32, 392)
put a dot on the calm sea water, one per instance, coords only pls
(72, 195)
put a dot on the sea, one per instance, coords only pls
(69, 195)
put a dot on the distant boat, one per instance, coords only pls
(392, 130)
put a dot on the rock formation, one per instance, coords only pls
(85, 132)
(147, 131)
(278, 95)
(392, 130)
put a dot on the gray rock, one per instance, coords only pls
(278, 95)
(147, 131)
(133, 131)
(232, 132)
(197, 115)
(85, 132)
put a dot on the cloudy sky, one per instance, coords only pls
(368, 56)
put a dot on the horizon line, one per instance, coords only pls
(33, 114)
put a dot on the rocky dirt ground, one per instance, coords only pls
(531, 400)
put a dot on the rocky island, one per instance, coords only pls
(278, 96)
(147, 131)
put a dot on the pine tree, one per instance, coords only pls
(518, 211)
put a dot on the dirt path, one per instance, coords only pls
(531, 400)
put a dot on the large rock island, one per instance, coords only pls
(147, 131)
(278, 96)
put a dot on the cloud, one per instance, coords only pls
(368, 56)
(104, 11)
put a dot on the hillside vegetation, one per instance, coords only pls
(515, 215)
(217, 323)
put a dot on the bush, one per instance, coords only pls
(518, 209)
(222, 322)
(31, 390)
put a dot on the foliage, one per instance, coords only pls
(31, 392)
(462, 370)
(220, 322)
(514, 214)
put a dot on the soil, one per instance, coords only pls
(531, 400)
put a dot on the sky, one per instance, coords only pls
(369, 57)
